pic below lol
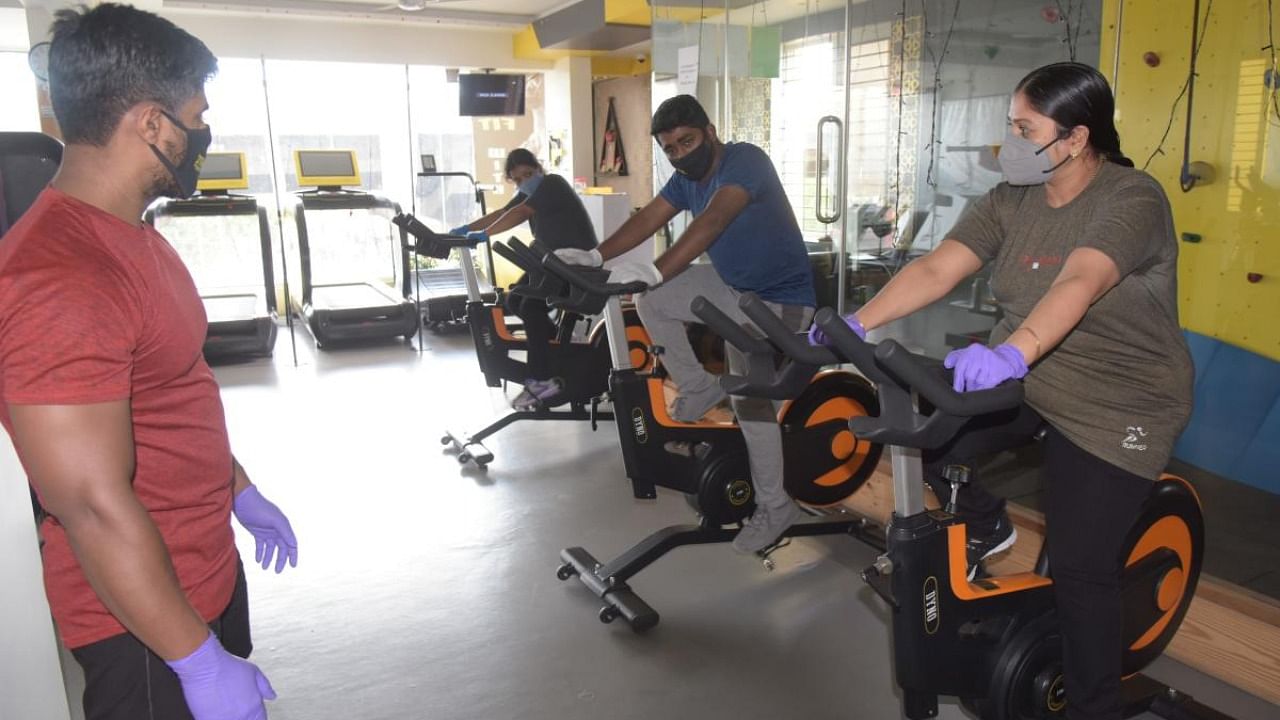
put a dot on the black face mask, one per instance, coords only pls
(697, 162)
(186, 173)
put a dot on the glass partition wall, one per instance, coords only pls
(881, 117)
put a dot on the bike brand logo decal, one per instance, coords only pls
(931, 614)
(1056, 699)
(739, 493)
(638, 426)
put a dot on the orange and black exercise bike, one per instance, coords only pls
(707, 461)
(581, 363)
(995, 642)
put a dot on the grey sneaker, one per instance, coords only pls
(765, 526)
(690, 407)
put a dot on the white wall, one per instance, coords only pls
(13, 29)
(296, 38)
(30, 677)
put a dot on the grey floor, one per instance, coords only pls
(427, 590)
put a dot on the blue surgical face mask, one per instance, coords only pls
(1025, 163)
(530, 186)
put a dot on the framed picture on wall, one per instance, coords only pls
(428, 163)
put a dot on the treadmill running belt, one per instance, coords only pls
(344, 297)
(224, 308)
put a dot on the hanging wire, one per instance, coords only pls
(934, 141)
(1273, 80)
(702, 18)
(1064, 16)
(902, 99)
(1080, 8)
(1173, 111)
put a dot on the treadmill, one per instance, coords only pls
(361, 308)
(239, 298)
(442, 291)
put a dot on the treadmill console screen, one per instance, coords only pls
(323, 168)
(223, 171)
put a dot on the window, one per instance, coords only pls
(441, 202)
(319, 105)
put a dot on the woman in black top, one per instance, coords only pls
(558, 220)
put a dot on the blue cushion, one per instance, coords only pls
(1260, 463)
(1235, 427)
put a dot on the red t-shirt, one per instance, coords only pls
(94, 309)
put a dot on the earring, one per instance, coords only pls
(1075, 154)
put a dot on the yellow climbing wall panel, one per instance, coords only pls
(1229, 281)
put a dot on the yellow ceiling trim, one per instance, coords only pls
(638, 12)
(619, 66)
(627, 12)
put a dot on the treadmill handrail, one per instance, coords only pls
(202, 206)
(345, 200)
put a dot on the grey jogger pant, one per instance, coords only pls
(664, 311)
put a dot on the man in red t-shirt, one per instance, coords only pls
(114, 412)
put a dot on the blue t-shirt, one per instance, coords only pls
(761, 250)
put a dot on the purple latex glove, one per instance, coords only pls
(978, 367)
(478, 236)
(221, 686)
(817, 337)
(270, 529)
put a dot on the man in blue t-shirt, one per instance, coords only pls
(744, 223)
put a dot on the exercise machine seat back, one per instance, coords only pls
(28, 161)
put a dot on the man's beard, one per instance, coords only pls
(163, 183)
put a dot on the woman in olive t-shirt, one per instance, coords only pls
(1083, 262)
(558, 220)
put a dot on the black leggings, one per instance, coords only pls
(539, 331)
(124, 680)
(1090, 507)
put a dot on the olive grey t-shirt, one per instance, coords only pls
(1119, 385)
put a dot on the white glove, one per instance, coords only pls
(574, 256)
(629, 272)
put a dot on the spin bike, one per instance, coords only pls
(707, 460)
(583, 365)
(995, 642)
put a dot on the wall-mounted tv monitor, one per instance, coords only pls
(489, 94)
(326, 168)
(223, 171)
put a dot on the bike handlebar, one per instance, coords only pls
(431, 243)
(896, 372)
(764, 377)
(580, 277)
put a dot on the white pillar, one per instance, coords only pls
(31, 684)
(569, 111)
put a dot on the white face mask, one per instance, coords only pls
(1025, 163)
